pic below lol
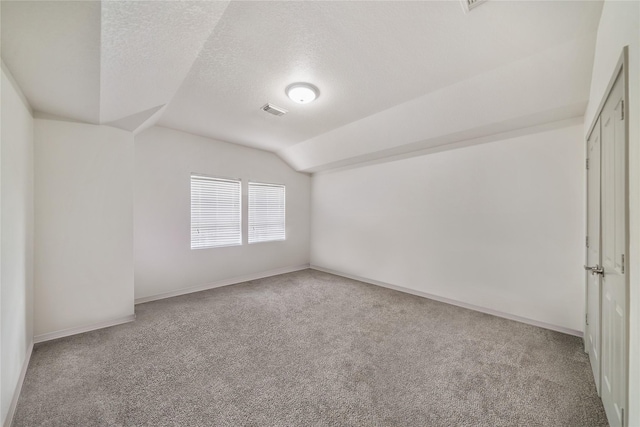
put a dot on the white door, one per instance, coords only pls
(592, 330)
(613, 252)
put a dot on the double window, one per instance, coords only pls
(216, 212)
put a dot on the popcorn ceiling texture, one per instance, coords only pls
(215, 63)
(310, 349)
(147, 50)
(365, 57)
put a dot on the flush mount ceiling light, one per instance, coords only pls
(302, 93)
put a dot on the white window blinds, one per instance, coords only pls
(216, 214)
(266, 212)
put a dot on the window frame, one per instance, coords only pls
(284, 211)
(205, 177)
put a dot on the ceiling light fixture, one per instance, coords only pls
(302, 93)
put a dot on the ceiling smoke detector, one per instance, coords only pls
(272, 109)
(467, 5)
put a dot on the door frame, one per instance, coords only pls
(590, 240)
(621, 70)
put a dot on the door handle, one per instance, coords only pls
(595, 270)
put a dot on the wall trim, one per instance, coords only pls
(81, 329)
(221, 283)
(16, 393)
(453, 302)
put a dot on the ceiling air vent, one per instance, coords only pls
(467, 5)
(272, 109)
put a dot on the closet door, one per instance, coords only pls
(614, 244)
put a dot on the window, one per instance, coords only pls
(216, 214)
(266, 212)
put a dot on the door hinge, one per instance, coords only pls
(587, 164)
(622, 110)
(622, 262)
(586, 243)
(586, 318)
(622, 417)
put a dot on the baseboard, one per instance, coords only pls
(80, 329)
(220, 283)
(454, 302)
(16, 394)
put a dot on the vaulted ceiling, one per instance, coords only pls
(394, 77)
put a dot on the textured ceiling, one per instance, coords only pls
(207, 67)
(364, 57)
(148, 48)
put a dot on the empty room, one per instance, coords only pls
(320, 213)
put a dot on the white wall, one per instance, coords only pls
(498, 225)
(16, 253)
(83, 225)
(619, 27)
(164, 262)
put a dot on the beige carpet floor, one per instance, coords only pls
(310, 349)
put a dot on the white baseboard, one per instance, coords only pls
(16, 394)
(454, 302)
(80, 329)
(220, 283)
